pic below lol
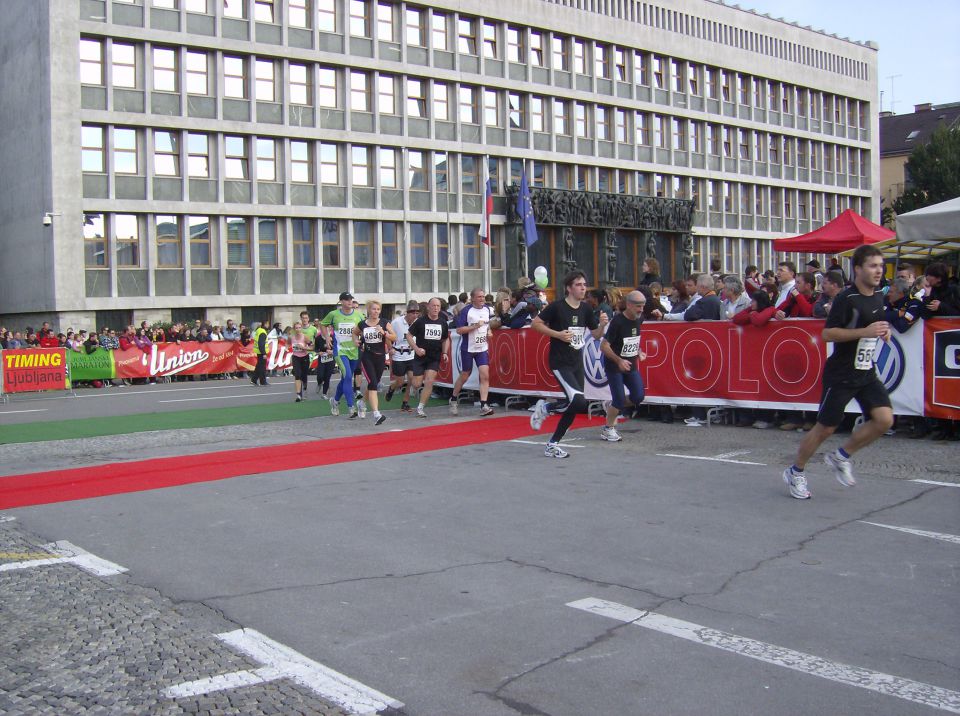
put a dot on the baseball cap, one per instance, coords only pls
(413, 306)
(813, 263)
(346, 296)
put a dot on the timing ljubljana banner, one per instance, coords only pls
(34, 369)
(716, 363)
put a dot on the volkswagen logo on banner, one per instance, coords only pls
(593, 363)
(890, 363)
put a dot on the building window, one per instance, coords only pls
(265, 81)
(123, 58)
(490, 40)
(168, 241)
(443, 245)
(298, 13)
(580, 119)
(515, 51)
(330, 241)
(620, 64)
(94, 241)
(416, 29)
(564, 176)
(441, 102)
(199, 227)
(329, 166)
(641, 75)
(604, 179)
(713, 139)
(712, 81)
(327, 15)
(467, 36)
(266, 159)
(390, 244)
(661, 135)
(386, 94)
(236, 9)
(496, 248)
(538, 117)
(728, 142)
(468, 105)
(268, 241)
(126, 239)
(238, 241)
(164, 69)
(360, 92)
(417, 178)
(386, 23)
(677, 72)
(440, 171)
(743, 86)
(91, 61)
(601, 61)
(419, 246)
(196, 73)
(300, 164)
(299, 89)
(92, 148)
(561, 53)
(579, 57)
(416, 98)
(196, 6)
(360, 18)
(491, 107)
(584, 178)
(679, 136)
(388, 167)
(237, 166)
(641, 128)
(471, 246)
(327, 87)
(561, 117)
(234, 77)
(536, 49)
(198, 155)
(602, 117)
(621, 126)
(693, 79)
(360, 166)
(469, 174)
(438, 25)
(518, 114)
(166, 153)
(363, 244)
(728, 197)
(304, 243)
(125, 150)
(659, 80)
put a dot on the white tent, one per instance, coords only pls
(926, 233)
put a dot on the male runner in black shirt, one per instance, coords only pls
(430, 339)
(566, 322)
(854, 326)
(621, 351)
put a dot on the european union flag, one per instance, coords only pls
(525, 210)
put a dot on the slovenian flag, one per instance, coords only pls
(487, 203)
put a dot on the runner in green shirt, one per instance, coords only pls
(339, 324)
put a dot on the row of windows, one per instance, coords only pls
(271, 159)
(373, 243)
(263, 78)
(423, 27)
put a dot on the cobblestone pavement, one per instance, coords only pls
(76, 643)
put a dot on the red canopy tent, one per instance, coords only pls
(847, 231)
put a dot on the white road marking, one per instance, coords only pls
(735, 453)
(121, 391)
(282, 662)
(68, 554)
(935, 482)
(544, 444)
(7, 518)
(35, 410)
(711, 459)
(216, 397)
(953, 539)
(915, 691)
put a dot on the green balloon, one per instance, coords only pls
(541, 281)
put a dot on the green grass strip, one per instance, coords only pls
(94, 427)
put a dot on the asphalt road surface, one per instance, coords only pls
(489, 580)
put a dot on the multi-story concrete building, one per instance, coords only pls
(222, 156)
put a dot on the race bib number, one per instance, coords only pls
(432, 332)
(480, 338)
(864, 356)
(631, 347)
(324, 358)
(577, 342)
(345, 332)
(372, 335)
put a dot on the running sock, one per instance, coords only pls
(843, 454)
(796, 470)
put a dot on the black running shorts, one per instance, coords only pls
(835, 398)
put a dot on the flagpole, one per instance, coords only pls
(526, 247)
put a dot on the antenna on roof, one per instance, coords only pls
(893, 95)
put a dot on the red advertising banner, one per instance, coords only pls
(34, 369)
(192, 358)
(942, 376)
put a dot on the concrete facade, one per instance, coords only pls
(810, 94)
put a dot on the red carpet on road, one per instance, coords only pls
(41, 488)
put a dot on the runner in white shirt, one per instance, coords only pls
(401, 368)
(473, 324)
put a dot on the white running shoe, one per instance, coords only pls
(486, 410)
(554, 450)
(454, 406)
(610, 434)
(334, 406)
(797, 482)
(420, 412)
(539, 415)
(361, 409)
(693, 423)
(841, 469)
(380, 419)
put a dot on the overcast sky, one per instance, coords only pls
(918, 40)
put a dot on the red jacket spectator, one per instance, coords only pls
(49, 340)
(753, 317)
(800, 301)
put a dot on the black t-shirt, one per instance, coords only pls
(623, 335)
(430, 335)
(852, 361)
(560, 316)
(371, 340)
